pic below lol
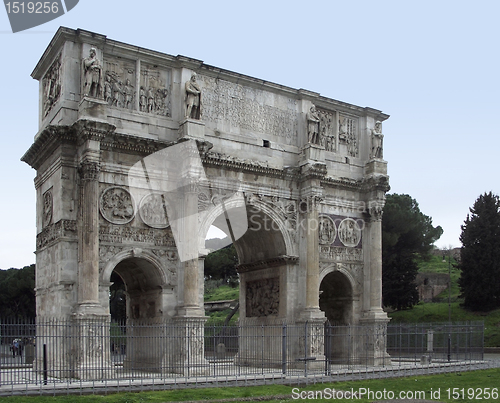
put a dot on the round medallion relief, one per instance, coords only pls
(349, 232)
(153, 210)
(117, 205)
(327, 230)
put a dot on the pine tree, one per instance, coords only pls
(480, 255)
(407, 234)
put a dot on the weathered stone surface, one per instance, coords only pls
(138, 153)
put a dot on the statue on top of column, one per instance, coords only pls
(313, 126)
(92, 76)
(193, 98)
(377, 141)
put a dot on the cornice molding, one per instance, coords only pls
(46, 141)
(267, 264)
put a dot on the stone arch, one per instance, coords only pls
(337, 289)
(278, 226)
(144, 279)
(132, 253)
(340, 268)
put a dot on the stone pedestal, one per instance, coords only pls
(92, 109)
(313, 153)
(187, 356)
(376, 166)
(92, 348)
(309, 352)
(374, 340)
(191, 129)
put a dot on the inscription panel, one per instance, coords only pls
(249, 109)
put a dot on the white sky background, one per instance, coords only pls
(432, 65)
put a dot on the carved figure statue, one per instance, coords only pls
(193, 98)
(117, 93)
(151, 99)
(108, 90)
(143, 101)
(313, 126)
(127, 95)
(92, 76)
(377, 141)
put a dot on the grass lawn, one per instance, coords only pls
(465, 385)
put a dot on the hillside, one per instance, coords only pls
(438, 309)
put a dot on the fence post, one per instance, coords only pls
(45, 364)
(327, 348)
(283, 349)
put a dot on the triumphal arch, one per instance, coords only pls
(138, 153)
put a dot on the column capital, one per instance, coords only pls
(375, 211)
(89, 170)
(309, 204)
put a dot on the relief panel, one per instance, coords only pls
(52, 86)
(348, 134)
(155, 90)
(119, 82)
(263, 297)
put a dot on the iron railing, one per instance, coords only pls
(64, 353)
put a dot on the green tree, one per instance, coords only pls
(407, 234)
(221, 264)
(480, 255)
(17, 292)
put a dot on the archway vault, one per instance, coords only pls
(136, 258)
(266, 231)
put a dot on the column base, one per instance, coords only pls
(91, 344)
(188, 356)
(374, 325)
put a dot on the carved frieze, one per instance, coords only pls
(119, 83)
(348, 134)
(52, 86)
(51, 233)
(48, 208)
(349, 233)
(153, 210)
(340, 254)
(126, 234)
(246, 108)
(263, 297)
(117, 205)
(155, 90)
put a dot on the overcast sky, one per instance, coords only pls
(432, 65)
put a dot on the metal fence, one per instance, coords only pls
(68, 353)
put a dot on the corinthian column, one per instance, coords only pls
(310, 224)
(88, 234)
(376, 260)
